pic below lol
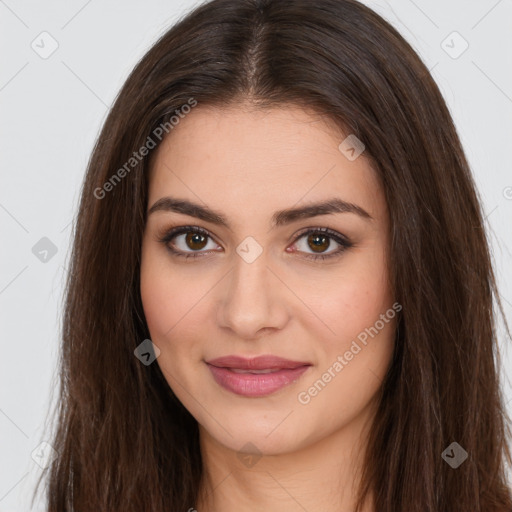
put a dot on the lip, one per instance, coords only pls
(256, 363)
(232, 373)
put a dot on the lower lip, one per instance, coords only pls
(255, 384)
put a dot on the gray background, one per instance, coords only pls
(52, 109)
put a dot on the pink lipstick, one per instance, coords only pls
(259, 376)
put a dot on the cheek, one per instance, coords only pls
(353, 362)
(165, 310)
(156, 302)
(354, 298)
(167, 296)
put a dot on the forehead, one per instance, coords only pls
(241, 130)
(241, 159)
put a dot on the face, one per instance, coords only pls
(239, 279)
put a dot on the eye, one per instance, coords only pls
(192, 237)
(191, 240)
(319, 240)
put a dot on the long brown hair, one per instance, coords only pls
(124, 442)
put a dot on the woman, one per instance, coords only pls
(281, 294)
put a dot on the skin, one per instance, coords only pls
(248, 164)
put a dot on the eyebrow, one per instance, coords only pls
(280, 218)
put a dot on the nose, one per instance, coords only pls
(254, 300)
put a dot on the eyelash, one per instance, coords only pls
(337, 237)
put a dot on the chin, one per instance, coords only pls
(265, 436)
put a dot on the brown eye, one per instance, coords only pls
(188, 241)
(318, 243)
(195, 241)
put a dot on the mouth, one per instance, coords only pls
(265, 362)
(250, 377)
(267, 370)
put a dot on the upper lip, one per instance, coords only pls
(257, 363)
